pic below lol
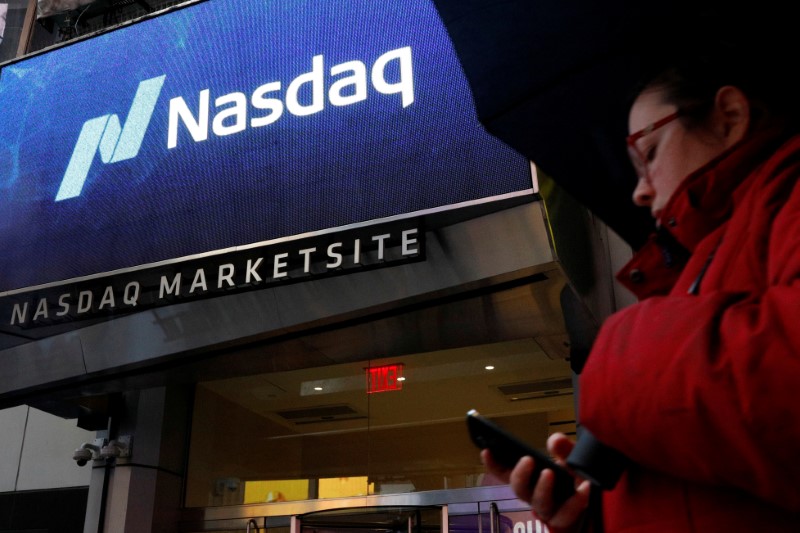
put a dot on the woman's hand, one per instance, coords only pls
(568, 516)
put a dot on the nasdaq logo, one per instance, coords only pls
(339, 85)
(114, 141)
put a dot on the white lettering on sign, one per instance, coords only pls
(533, 526)
(227, 275)
(392, 73)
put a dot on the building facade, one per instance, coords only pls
(255, 283)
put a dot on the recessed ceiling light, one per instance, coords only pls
(489, 367)
(317, 388)
(401, 378)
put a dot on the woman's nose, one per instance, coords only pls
(643, 193)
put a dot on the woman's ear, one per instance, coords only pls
(732, 114)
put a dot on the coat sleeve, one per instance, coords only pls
(707, 387)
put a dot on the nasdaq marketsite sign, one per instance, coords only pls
(228, 124)
(261, 266)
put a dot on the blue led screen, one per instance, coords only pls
(231, 122)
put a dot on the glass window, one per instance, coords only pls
(62, 21)
(382, 426)
(12, 20)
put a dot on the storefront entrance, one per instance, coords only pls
(330, 438)
(378, 408)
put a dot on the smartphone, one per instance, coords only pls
(507, 450)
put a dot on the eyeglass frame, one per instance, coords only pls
(633, 150)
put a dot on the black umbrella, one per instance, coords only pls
(554, 80)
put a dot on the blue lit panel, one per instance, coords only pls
(232, 122)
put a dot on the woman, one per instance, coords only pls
(697, 384)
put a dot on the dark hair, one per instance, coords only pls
(691, 71)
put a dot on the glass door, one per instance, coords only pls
(382, 519)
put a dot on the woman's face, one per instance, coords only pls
(669, 152)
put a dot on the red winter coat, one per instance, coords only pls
(702, 391)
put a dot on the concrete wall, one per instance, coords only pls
(36, 451)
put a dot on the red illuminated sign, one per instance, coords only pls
(385, 378)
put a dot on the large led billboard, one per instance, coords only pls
(232, 122)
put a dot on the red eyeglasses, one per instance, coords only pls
(639, 159)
